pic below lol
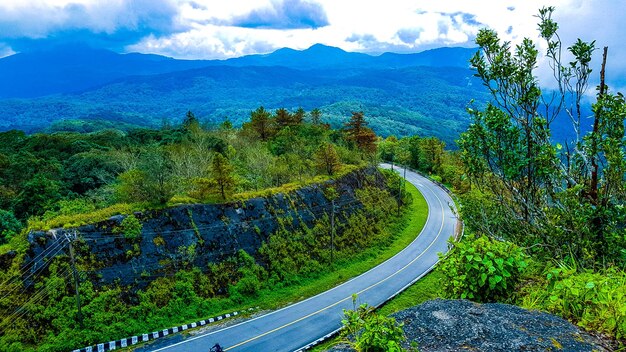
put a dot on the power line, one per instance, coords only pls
(25, 268)
(36, 298)
(34, 274)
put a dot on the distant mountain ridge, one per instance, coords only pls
(428, 101)
(76, 68)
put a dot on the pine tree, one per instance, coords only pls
(190, 121)
(316, 116)
(283, 118)
(298, 116)
(222, 174)
(359, 134)
(261, 123)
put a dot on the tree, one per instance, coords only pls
(568, 197)
(261, 123)
(151, 180)
(298, 116)
(190, 122)
(316, 116)
(283, 118)
(326, 159)
(222, 174)
(388, 148)
(9, 225)
(362, 136)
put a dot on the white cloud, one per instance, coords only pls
(37, 19)
(207, 28)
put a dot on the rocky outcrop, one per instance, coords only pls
(460, 325)
(196, 234)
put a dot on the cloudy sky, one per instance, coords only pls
(217, 29)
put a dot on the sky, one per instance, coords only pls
(219, 29)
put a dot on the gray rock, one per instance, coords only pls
(214, 232)
(460, 325)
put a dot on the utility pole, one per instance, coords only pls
(80, 314)
(332, 233)
(399, 194)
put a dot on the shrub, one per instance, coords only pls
(371, 332)
(596, 301)
(482, 269)
(130, 227)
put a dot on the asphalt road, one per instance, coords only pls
(298, 325)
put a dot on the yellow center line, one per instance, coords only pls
(325, 308)
(358, 293)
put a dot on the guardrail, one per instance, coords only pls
(129, 341)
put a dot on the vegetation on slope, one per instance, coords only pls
(154, 168)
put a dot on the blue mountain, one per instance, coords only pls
(75, 68)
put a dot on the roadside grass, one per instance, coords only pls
(402, 232)
(423, 290)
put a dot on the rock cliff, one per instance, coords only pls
(196, 234)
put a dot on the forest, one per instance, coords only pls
(67, 179)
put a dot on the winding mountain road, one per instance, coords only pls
(298, 325)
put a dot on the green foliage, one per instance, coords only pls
(370, 331)
(9, 226)
(185, 293)
(222, 175)
(131, 227)
(326, 159)
(482, 269)
(358, 133)
(564, 200)
(594, 300)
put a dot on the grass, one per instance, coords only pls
(425, 289)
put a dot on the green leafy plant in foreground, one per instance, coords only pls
(371, 332)
(594, 300)
(482, 269)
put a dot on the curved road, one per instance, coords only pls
(295, 326)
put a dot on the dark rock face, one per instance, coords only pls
(460, 325)
(198, 234)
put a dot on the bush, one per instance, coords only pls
(9, 225)
(130, 227)
(482, 269)
(371, 332)
(596, 301)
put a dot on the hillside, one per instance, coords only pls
(403, 94)
(419, 100)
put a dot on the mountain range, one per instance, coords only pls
(423, 93)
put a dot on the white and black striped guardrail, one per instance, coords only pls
(129, 341)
